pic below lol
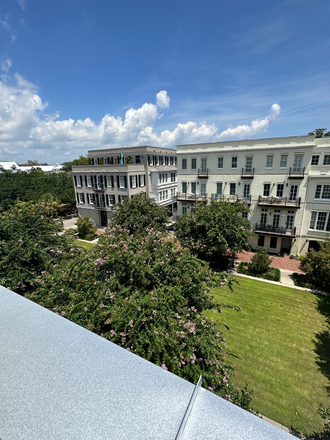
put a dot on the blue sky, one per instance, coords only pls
(78, 75)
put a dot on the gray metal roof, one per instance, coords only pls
(60, 381)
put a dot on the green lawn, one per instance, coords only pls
(80, 243)
(282, 337)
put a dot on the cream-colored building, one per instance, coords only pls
(284, 181)
(118, 173)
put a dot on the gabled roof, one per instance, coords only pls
(60, 381)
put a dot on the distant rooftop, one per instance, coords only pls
(61, 381)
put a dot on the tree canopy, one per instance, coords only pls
(215, 229)
(139, 214)
(316, 265)
(83, 160)
(320, 132)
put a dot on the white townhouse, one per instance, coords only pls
(284, 181)
(118, 173)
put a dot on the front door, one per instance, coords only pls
(104, 218)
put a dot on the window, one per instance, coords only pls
(283, 161)
(184, 164)
(133, 181)
(293, 192)
(157, 161)
(193, 187)
(204, 165)
(234, 162)
(289, 220)
(220, 163)
(193, 164)
(92, 199)
(109, 180)
(173, 177)
(141, 179)
(315, 160)
(162, 160)
(79, 181)
(273, 242)
(122, 182)
(171, 160)
(269, 161)
(326, 160)
(219, 188)
(297, 163)
(115, 160)
(232, 189)
(137, 159)
(184, 210)
(263, 217)
(246, 191)
(276, 218)
(150, 161)
(320, 221)
(111, 199)
(266, 192)
(172, 192)
(203, 189)
(261, 240)
(248, 164)
(105, 161)
(245, 214)
(184, 187)
(279, 190)
(81, 198)
(89, 181)
(322, 192)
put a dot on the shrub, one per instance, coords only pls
(241, 268)
(316, 265)
(272, 274)
(86, 228)
(260, 262)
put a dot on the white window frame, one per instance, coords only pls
(89, 181)
(142, 180)
(234, 159)
(286, 161)
(322, 190)
(315, 219)
(121, 181)
(264, 189)
(220, 163)
(195, 167)
(184, 163)
(269, 161)
(317, 157)
(326, 159)
(109, 181)
(133, 180)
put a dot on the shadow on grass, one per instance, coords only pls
(322, 339)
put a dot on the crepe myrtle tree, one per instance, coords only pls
(140, 213)
(215, 229)
(29, 241)
(147, 294)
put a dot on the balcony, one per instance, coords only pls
(279, 201)
(296, 173)
(203, 172)
(190, 197)
(247, 173)
(280, 230)
(99, 205)
(98, 187)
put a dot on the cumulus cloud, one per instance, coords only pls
(162, 99)
(27, 128)
(5, 64)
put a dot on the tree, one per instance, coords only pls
(260, 262)
(139, 214)
(146, 294)
(316, 265)
(29, 240)
(86, 228)
(32, 162)
(215, 229)
(67, 166)
(320, 132)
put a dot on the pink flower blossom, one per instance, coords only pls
(154, 312)
(164, 367)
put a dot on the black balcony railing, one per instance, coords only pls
(191, 196)
(98, 187)
(99, 205)
(203, 172)
(292, 202)
(247, 173)
(296, 173)
(281, 230)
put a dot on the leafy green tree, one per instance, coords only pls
(320, 132)
(29, 240)
(32, 162)
(67, 166)
(139, 214)
(215, 229)
(316, 265)
(145, 293)
(86, 228)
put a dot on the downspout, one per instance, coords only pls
(303, 216)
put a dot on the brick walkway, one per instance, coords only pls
(285, 262)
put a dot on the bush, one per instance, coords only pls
(260, 262)
(86, 228)
(241, 268)
(316, 265)
(272, 274)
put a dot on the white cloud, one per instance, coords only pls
(5, 64)
(22, 4)
(162, 99)
(5, 23)
(27, 128)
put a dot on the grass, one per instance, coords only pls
(80, 243)
(283, 340)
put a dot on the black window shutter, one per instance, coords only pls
(130, 181)
(114, 199)
(86, 181)
(87, 198)
(125, 178)
(105, 181)
(83, 197)
(118, 182)
(101, 180)
(75, 180)
(77, 197)
(112, 182)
